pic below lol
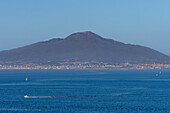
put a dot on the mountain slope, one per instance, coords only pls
(83, 46)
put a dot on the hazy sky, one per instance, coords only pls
(143, 22)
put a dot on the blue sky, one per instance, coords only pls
(143, 22)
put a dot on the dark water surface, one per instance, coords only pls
(85, 91)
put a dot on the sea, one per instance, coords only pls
(85, 91)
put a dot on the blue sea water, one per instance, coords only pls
(85, 91)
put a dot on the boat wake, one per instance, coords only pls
(38, 96)
(78, 96)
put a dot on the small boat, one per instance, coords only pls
(25, 96)
(160, 72)
(26, 79)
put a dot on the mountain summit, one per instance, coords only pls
(87, 35)
(82, 47)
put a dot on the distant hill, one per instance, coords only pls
(82, 46)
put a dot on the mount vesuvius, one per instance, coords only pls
(82, 47)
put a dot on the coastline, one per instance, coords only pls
(123, 66)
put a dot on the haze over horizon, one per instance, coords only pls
(143, 22)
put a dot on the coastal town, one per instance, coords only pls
(87, 65)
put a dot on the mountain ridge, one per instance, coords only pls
(83, 47)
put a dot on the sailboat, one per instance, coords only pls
(160, 72)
